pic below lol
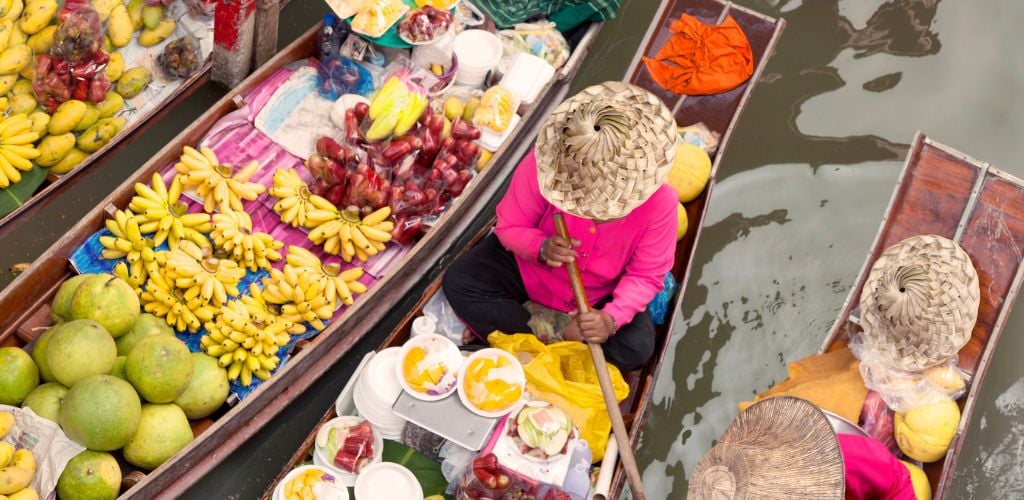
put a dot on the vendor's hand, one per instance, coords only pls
(556, 251)
(572, 331)
(595, 326)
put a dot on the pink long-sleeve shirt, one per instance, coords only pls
(626, 258)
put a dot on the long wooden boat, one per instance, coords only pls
(944, 192)
(720, 113)
(26, 301)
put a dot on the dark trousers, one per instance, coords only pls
(486, 290)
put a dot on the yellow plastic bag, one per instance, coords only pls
(563, 374)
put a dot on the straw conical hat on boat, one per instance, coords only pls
(780, 447)
(605, 151)
(920, 301)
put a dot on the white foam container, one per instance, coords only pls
(387, 481)
(526, 77)
(279, 491)
(479, 52)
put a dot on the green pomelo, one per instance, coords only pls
(18, 376)
(78, 349)
(101, 412)
(208, 389)
(90, 475)
(118, 369)
(39, 355)
(160, 368)
(146, 325)
(60, 308)
(109, 301)
(163, 431)
(45, 400)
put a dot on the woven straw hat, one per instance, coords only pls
(920, 302)
(780, 447)
(605, 151)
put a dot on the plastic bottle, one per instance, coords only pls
(577, 480)
(423, 325)
(327, 41)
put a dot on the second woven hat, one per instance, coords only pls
(920, 302)
(605, 151)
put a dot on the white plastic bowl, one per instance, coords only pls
(320, 457)
(431, 343)
(279, 490)
(479, 52)
(387, 481)
(493, 354)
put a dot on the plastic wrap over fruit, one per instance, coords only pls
(877, 420)
(180, 58)
(201, 8)
(79, 36)
(497, 106)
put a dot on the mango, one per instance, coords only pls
(37, 15)
(6, 28)
(4, 107)
(25, 494)
(104, 7)
(135, 13)
(91, 115)
(68, 115)
(151, 16)
(17, 475)
(133, 81)
(22, 103)
(108, 46)
(7, 83)
(110, 105)
(22, 87)
(15, 58)
(115, 67)
(29, 71)
(40, 121)
(69, 162)
(42, 41)
(53, 149)
(18, 36)
(13, 11)
(100, 134)
(119, 27)
(151, 37)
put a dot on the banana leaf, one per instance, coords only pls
(14, 196)
(427, 471)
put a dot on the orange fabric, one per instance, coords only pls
(699, 59)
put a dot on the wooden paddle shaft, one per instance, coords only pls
(601, 366)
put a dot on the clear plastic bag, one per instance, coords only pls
(540, 39)
(180, 58)
(79, 37)
(903, 390)
(699, 135)
(877, 420)
(496, 109)
(448, 323)
(340, 75)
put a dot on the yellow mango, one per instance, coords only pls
(25, 494)
(6, 28)
(92, 114)
(104, 7)
(18, 36)
(22, 103)
(69, 162)
(119, 27)
(15, 58)
(17, 476)
(100, 134)
(53, 149)
(151, 37)
(5, 105)
(110, 105)
(6, 453)
(29, 71)
(151, 16)
(7, 83)
(22, 86)
(67, 116)
(42, 41)
(115, 67)
(37, 15)
(135, 13)
(40, 120)
(13, 11)
(133, 81)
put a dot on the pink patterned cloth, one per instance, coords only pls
(872, 471)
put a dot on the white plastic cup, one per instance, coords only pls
(479, 52)
(423, 325)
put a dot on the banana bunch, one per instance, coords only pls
(243, 344)
(342, 232)
(232, 233)
(198, 273)
(16, 149)
(301, 296)
(295, 199)
(268, 313)
(127, 242)
(217, 183)
(160, 299)
(162, 214)
(340, 284)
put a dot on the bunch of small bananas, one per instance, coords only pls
(340, 284)
(198, 273)
(342, 232)
(161, 299)
(295, 199)
(232, 233)
(267, 313)
(16, 150)
(243, 344)
(162, 214)
(217, 183)
(301, 296)
(127, 242)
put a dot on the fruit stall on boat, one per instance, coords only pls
(485, 435)
(79, 78)
(270, 236)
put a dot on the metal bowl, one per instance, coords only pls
(843, 426)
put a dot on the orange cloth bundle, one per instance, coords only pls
(831, 381)
(699, 59)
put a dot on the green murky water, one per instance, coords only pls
(798, 201)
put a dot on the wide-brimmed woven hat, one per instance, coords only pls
(920, 301)
(780, 447)
(605, 151)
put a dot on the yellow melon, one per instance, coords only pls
(690, 171)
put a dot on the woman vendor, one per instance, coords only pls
(601, 161)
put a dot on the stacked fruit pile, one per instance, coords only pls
(17, 467)
(114, 379)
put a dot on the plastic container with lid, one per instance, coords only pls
(526, 76)
(423, 325)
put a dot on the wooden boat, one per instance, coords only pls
(720, 113)
(25, 301)
(944, 192)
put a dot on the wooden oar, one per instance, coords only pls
(618, 426)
